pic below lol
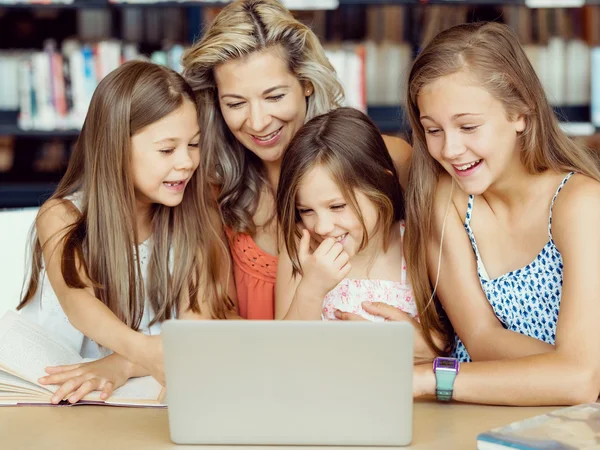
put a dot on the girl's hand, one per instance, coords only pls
(78, 380)
(422, 352)
(388, 312)
(423, 380)
(325, 268)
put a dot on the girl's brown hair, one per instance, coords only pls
(103, 239)
(492, 54)
(240, 29)
(348, 144)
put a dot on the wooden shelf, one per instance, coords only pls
(22, 195)
(106, 3)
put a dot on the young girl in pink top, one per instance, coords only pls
(341, 211)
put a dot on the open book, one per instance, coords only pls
(26, 350)
(575, 427)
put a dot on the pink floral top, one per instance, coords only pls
(348, 295)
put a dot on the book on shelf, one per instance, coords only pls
(572, 428)
(290, 4)
(26, 349)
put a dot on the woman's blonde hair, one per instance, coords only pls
(492, 54)
(240, 29)
(102, 240)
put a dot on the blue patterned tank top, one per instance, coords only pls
(525, 300)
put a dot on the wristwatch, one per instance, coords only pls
(445, 370)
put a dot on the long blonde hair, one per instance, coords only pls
(491, 52)
(240, 29)
(103, 238)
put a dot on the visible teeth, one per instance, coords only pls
(467, 166)
(176, 183)
(340, 238)
(269, 136)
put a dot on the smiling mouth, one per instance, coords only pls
(341, 238)
(467, 166)
(174, 183)
(268, 137)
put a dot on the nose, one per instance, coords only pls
(324, 225)
(258, 118)
(453, 146)
(184, 160)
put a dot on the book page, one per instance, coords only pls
(26, 349)
(11, 383)
(141, 390)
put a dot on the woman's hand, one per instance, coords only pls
(78, 380)
(422, 352)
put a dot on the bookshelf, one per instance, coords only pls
(108, 3)
(28, 189)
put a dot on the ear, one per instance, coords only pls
(308, 88)
(520, 123)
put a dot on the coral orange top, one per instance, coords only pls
(254, 271)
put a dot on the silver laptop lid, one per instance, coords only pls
(285, 382)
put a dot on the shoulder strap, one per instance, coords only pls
(403, 268)
(469, 209)
(565, 179)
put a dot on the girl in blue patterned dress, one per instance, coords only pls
(508, 208)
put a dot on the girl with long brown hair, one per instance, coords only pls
(341, 214)
(132, 235)
(259, 75)
(502, 228)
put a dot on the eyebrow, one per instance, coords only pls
(265, 92)
(326, 202)
(170, 139)
(454, 117)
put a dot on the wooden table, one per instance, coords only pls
(436, 426)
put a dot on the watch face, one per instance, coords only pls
(446, 363)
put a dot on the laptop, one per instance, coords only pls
(289, 382)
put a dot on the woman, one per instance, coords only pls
(259, 75)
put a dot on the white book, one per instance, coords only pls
(311, 4)
(78, 87)
(372, 73)
(397, 58)
(353, 78)
(109, 55)
(595, 105)
(27, 349)
(556, 77)
(25, 89)
(577, 83)
(9, 69)
(45, 119)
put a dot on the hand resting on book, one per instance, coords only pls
(78, 380)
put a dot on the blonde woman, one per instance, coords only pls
(508, 208)
(259, 75)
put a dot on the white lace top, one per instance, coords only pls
(45, 310)
(349, 294)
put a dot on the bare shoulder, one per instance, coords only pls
(578, 188)
(447, 191)
(577, 205)
(54, 216)
(400, 151)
